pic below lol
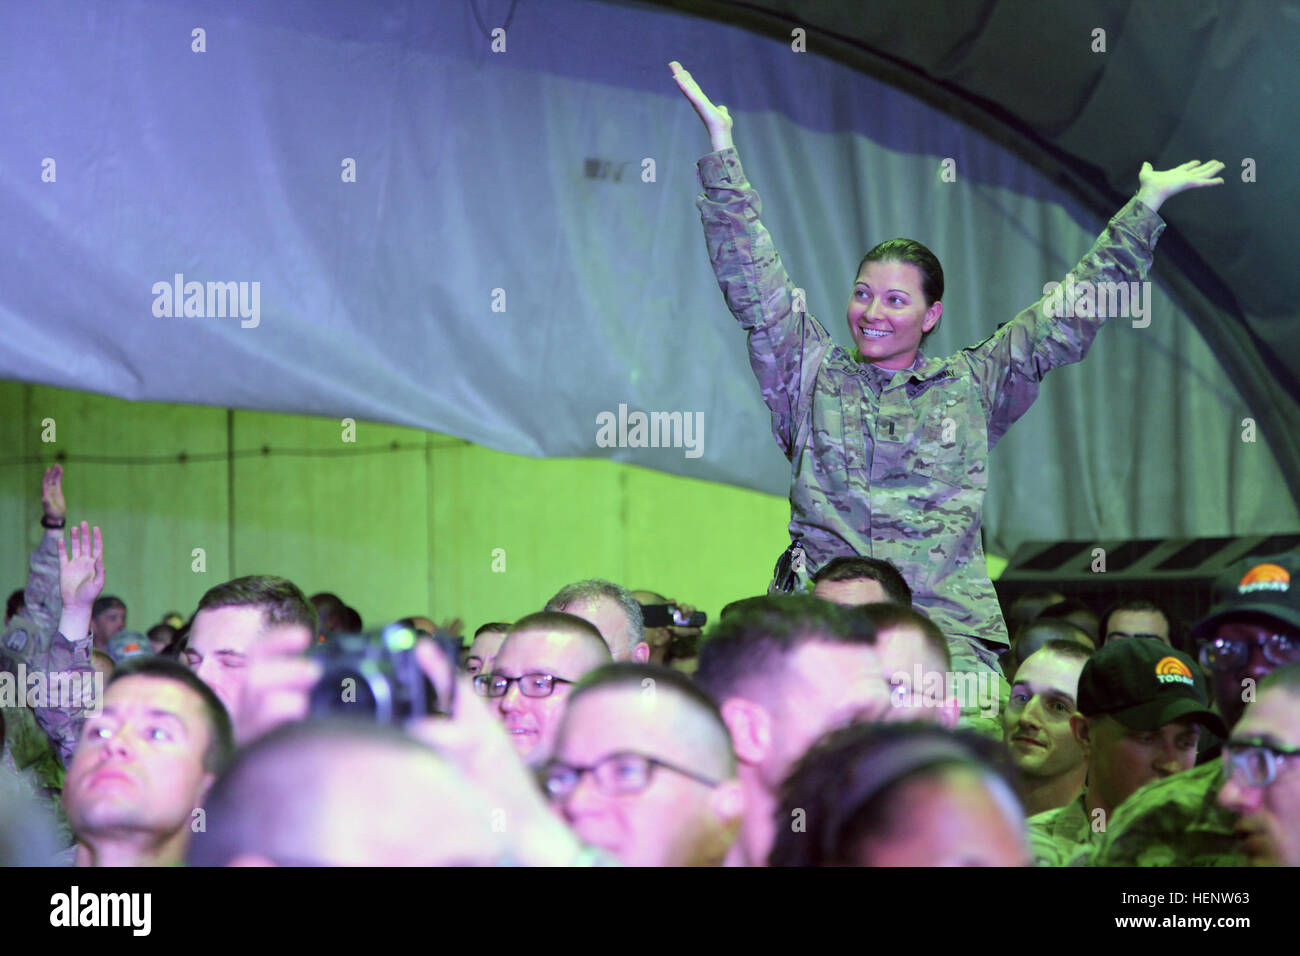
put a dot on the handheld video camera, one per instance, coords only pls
(375, 676)
(668, 615)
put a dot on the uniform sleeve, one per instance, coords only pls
(68, 679)
(1043, 850)
(1175, 821)
(1040, 830)
(786, 344)
(1009, 365)
(62, 722)
(42, 599)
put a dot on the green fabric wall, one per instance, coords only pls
(393, 532)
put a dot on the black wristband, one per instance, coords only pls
(48, 522)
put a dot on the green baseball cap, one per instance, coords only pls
(1144, 685)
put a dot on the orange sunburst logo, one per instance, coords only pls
(1170, 670)
(1172, 665)
(1265, 577)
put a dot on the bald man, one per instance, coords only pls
(643, 768)
(344, 793)
(541, 659)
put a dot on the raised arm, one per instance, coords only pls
(1155, 186)
(716, 119)
(786, 344)
(1059, 328)
(41, 598)
(62, 654)
(81, 579)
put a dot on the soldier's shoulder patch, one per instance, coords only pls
(16, 640)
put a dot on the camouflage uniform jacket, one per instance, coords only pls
(41, 599)
(1061, 837)
(1176, 821)
(33, 640)
(49, 652)
(893, 464)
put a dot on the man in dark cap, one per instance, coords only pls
(1142, 705)
(1252, 630)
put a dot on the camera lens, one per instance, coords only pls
(350, 690)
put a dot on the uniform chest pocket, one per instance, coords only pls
(943, 448)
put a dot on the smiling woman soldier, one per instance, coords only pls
(888, 448)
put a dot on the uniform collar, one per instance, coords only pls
(921, 370)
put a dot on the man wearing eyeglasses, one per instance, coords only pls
(1253, 629)
(643, 768)
(1262, 772)
(541, 659)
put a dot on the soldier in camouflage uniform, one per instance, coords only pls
(28, 641)
(1253, 629)
(42, 602)
(1263, 783)
(39, 740)
(1061, 837)
(52, 636)
(888, 448)
(1139, 704)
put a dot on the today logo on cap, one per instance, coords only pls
(1265, 577)
(1170, 670)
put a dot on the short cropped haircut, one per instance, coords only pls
(854, 568)
(1028, 606)
(741, 604)
(1137, 605)
(105, 603)
(630, 675)
(493, 627)
(1062, 631)
(752, 642)
(849, 782)
(263, 801)
(164, 633)
(584, 592)
(1070, 649)
(1067, 608)
(329, 610)
(175, 649)
(279, 599)
(884, 617)
(559, 621)
(221, 734)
